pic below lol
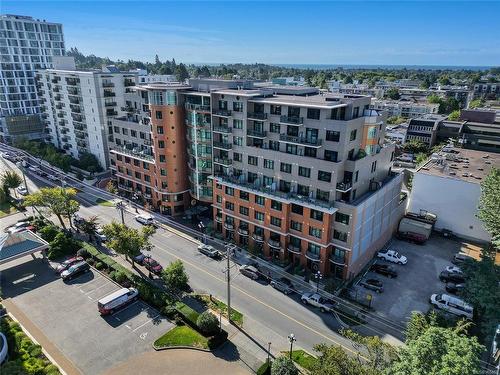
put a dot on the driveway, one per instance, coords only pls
(67, 314)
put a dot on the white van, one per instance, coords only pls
(120, 298)
(452, 305)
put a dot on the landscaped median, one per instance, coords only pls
(181, 337)
(218, 306)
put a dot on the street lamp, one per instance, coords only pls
(291, 339)
(202, 229)
(318, 276)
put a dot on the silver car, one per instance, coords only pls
(209, 251)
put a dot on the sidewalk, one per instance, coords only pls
(50, 350)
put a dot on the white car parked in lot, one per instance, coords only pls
(453, 269)
(145, 219)
(392, 256)
(452, 305)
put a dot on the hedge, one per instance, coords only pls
(265, 369)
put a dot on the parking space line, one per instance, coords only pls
(125, 308)
(91, 281)
(99, 287)
(149, 321)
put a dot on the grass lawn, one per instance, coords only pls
(303, 358)
(102, 202)
(182, 336)
(218, 305)
(7, 209)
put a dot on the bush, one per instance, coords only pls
(34, 365)
(49, 232)
(175, 276)
(62, 245)
(189, 315)
(84, 253)
(170, 312)
(207, 323)
(283, 366)
(99, 265)
(215, 341)
(51, 369)
(120, 277)
(265, 369)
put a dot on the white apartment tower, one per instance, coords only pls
(26, 45)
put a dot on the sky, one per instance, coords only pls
(457, 33)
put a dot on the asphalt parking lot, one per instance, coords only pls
(67, 314)
(416, 281)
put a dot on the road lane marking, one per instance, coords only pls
(22, 279)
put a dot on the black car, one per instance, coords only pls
(75, 270)
(453, 277)
(373, 284)
(384, 269)
(454, 288)
(283, 285)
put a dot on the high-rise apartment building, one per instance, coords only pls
(26, 44)
(77, 107)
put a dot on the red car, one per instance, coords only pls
(68, 263)
(152, 265)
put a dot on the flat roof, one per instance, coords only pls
(314, 101)
(461, 164)
(163, 86)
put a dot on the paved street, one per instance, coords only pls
(270, 316)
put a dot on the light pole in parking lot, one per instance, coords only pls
(318, 277)
(291, 339)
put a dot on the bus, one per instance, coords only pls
(114, 301)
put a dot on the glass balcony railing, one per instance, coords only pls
(197, 107)
(344, 186)
(223, 161)
(222, 129)
(256, 133)
(223, 145)
(292, 120)
(311, 142)
(222, 112)
(257, 115)
(139, 154)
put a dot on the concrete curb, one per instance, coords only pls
(159, 349)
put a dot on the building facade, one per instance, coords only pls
(406, 109)
(26, 44)
(77, 108)
(303, 178)
(424, 129)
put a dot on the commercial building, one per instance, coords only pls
(26, 44)
(291, 174)
(144, 77)
(424, 129)
(78, 105)
(449, 186)
(406, 109)
(486, 90)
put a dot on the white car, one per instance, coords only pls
(209, 251)
(452, 305)
(392, 256)
(18, 227)
(22, 190)
(145, 219)
(454, 269)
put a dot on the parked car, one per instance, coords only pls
(19, 227)
(460, 258)
(372, 284)
(453, 269)
(9, 156)
(22, 190)
(33, 169)
(249, 271)
(454, 288)
(452, 305)
(140, 258)
(75, 270)
(209, 251)
(392, 256)
(68, 263)
(456, 278)
(116, 300)
(145, 219)
(52, 177)
(152, 265)
(316, 300)
(283, 285)
(100, 235)
(384, 269)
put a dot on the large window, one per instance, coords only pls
(238, 106)
(237, 124)
(352, 137)
(324, 176)
(316, 215)
(260, 200)
(315, 232)
(244, 210)
(244, 195)
(253, 160)
(171, 98)
(285, 167)
(342, 218)
(341, 236)
(275, 221)
(274, 128)
(275, 205)
(156, 97)
(229, 206)
(259, 216)
(295, 225)
(332, 136)
(305, 172)
(229, 191)
(268, 164)
(296, 209)
(331, 155)
(275, 109)
(313, 113)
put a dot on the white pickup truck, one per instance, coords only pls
(316, 300)
(392, 256)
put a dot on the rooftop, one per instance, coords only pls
(15, 245)
(315, 101)
(461, 164)
(163, 86)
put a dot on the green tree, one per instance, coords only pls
(175, 276)
(89, 226)
(489, 204)
(11, 180)
(392, 93)
(128, 241)
(454, 116)
(61, 245)
(395, 120)
(57, 201)
(415, 147)
(476, 103)
(111, 187)
(208, 323)
(283, 366)
(334, 360)
(181, 73)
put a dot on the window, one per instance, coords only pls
(159, 115)
(275, 205)
(342, 218)
(310, 152)
(253, 160)
(260, 200)
(119, 157)
(315, 232)
(331, 155)
(162, 159)
(274, 128)
(356, 175)
(291, 149)
(295, 225)
(147, 178)
(372, 132)
(313, 249)
(275, 221)
(137, 175)
(374, 166)
(230, 206)
(332, 136)
(341, 236)
(275, 109)
(218, 198)
(133, 133)
(238, 106)
(303, 190)
(322, 195)
(313, 113)
(355, 113)
(316, 215)
(244, 210)
(159, 129)
(296, 209)
(274, 145)
(238, 124)
(352, 137)
(229, 191)
(137, 162)
(305, 172)
(324, 176)
(285, 167)
(268, 164)
(244, 195)
(259, 216)
(237, 156)
(163, 172)
(238, 141)
(161, 144)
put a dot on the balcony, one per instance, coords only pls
(55, 80)
(57, 97)
(274, 244)
(110, 104)
(344, 186)
(222, 112)
(223, 145)
(223, 161)
(111, 112)
(292, 120)
(337, 260)
(126, 188)
(81, 143)
(79, 126)
(60, 115)
(59, 106)
(109, 94)
(312, 256)
(80, 135)
(73, 91)
(138, 154)
(72, 81)
(199, 123)
(243, 231)
(128, 83)
(56, 89)
(228, 226)
(256, 133)
(74, 100)
(258, 238)
(108, 84)
(259, 116)
(293, 249)
(301, 141)
(78, 118)
(197, 107)
(222, 129)
(218, 218)
(76, 109)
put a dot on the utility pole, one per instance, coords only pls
(228, 255)
(120, 206)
